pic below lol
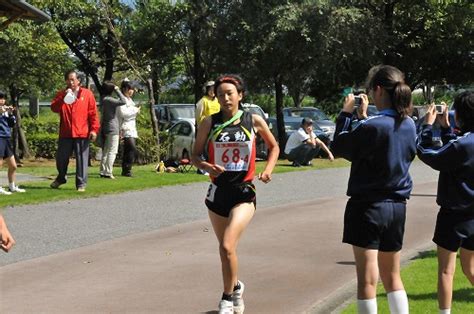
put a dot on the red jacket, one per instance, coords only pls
(78, 119)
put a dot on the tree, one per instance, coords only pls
(32, 63)
(431, 41)
(90, 29)
(275, 47)
(154, 41)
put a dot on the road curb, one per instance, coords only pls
(345, 295)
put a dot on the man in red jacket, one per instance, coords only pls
(79, 124)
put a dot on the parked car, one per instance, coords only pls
(319, 117)
(292, 124)
(168, 114)
(183, 134)
(262, 150)
(371, 111)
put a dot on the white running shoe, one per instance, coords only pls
(237, 299)
(226, 307)
(16, 189)
(4, 192)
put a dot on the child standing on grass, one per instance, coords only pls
(7, 121)
(455, 163)
(381, 149)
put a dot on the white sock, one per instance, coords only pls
(11, 185)
(445, 311)
(367, 306)
(398, 302)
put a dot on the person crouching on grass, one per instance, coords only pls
(303, 145)
(455, 163)
(229, 137)
(7, 121)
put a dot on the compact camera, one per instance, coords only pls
(358, 100)
(439, 109)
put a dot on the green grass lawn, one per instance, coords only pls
(420, 280)
(145, 177)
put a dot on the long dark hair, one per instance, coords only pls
(464, 107)
(392, 80)
(108, 88)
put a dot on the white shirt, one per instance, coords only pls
(127, 116)
(296, 139)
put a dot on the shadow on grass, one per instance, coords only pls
(463, 295)
(36, 187)
(425, 254)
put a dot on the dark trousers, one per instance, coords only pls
(303, 154)
(129, 152)
(80, 147)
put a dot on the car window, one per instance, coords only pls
(185, 129)
(314, 114)
(255, 110)
(181, 112)
(175, 129)
(292, 126)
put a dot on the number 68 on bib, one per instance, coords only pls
(233, 156)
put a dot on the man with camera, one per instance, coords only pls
(303, 145)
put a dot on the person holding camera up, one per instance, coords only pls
(381, 149)
(7, 121)
(455, 162)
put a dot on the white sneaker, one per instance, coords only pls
(4, 192)
(16, 189)
(237, 299)
(226, 307)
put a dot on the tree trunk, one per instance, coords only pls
(154, 121)
(86, 64)
(427, 93)
(198, 71)
(109, 57)
(19, 138)
(388, 25)
(279, 113)
(156, 86)
(296, 96)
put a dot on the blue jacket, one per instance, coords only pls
(6, 122)
(455, 163)
(381, 149)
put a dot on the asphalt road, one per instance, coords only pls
(155, 252)
(49, 228)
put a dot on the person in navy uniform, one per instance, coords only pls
(381, 149)
(455, 163)
(229, 138)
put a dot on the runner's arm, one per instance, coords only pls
(262, 128)
(199, 147)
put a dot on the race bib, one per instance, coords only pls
(233, 156)
(211, 192)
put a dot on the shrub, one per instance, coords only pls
(43, 145)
